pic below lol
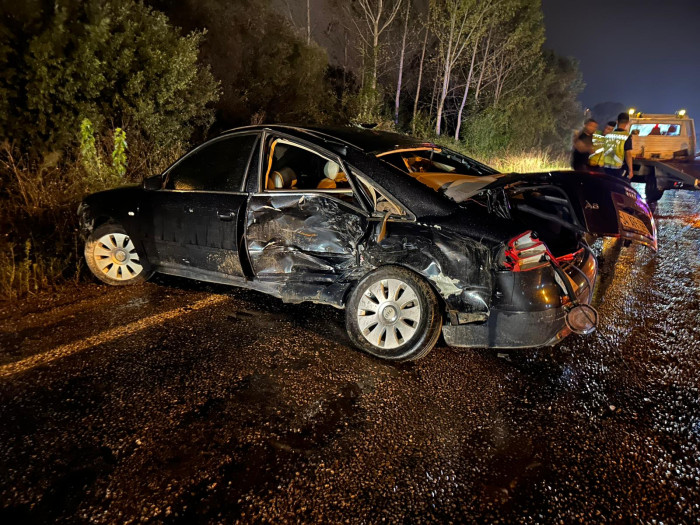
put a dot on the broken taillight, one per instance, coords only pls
(525, 252)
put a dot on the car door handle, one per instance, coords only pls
(226, 216)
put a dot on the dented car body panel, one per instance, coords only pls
(303, 235)
(305, 214)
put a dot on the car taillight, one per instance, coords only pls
(525, 252)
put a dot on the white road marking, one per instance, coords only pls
(74, 347)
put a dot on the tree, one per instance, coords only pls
(403, 53)
(561, 85)
(371, 19)
(455, 23)
(420, 79)
(118, 63)
(377, 16)
(267, 70)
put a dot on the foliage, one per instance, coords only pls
(97, 173)
(266, 69)
(28, 272)
(39, 198)
(88, 151)
(119, 153)
(513, 160)
(118, 63)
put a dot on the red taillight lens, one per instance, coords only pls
(525, 252)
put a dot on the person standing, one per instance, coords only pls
(583, 146)
(617, 158)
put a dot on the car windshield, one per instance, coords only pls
(445, 171)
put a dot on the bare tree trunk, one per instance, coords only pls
(483, 66)
(420, 77)
(403, 52)
(345, 61)
(308, 22)
(466, 92)
(378, 18)
(362, 67)
(445, 78)
(459, 35)
(499, 83)
(435, 87)
(375, 57)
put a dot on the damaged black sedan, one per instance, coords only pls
(412, 239)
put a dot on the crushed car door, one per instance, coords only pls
(305, 221)
(194, 218)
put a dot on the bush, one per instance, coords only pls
(79, 77)
(118, 63)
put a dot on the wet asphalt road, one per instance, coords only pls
(177, 402)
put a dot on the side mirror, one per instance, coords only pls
(154, 182)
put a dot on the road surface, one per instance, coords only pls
(178, 402)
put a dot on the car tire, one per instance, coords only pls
(394, 314)
(112, 257)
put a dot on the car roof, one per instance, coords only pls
(366, 140)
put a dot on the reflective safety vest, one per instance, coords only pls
(614, 155)
(596, 158)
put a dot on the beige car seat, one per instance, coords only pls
(333, 176)
(282, 179)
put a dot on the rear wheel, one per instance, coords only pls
(393, 314)
(112, 256)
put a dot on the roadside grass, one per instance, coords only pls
(40, 242)
(529, 162)
(514, 161)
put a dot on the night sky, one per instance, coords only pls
(642, 53)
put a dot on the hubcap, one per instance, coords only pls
(115, 255)
(389, 313)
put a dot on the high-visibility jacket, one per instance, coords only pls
(614, 156)
(597, 158)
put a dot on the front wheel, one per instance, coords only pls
(393, 314)
(112, 257)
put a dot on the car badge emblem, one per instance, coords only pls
(593, 206)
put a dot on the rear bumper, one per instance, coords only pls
(507, 328)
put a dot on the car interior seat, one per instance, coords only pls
(333, 175)
(282, 179)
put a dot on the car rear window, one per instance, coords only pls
(656, 128)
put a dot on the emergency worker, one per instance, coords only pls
(597, 158)
(617, 157)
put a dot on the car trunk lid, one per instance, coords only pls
(587, 202)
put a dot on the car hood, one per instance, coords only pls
(588, 202)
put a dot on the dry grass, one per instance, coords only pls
(529, 162)
(27, 273)
(39, 239)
